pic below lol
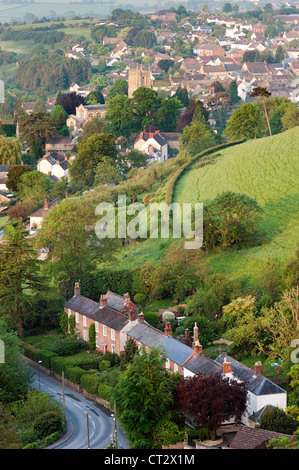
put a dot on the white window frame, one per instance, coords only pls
(84, 321)
(85, 335)
(97, 342)
(97, 326)
(77, 317)
(113, 348)
(167, 364)
(69, 312)
(104, 330)
(113, 335)
(175, 368)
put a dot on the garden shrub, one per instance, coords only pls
(51, 439)
(113, 358)
(74, 374)
(59, 364)
(104, 365)
(104, 391)
(48, 423)
(29, 351)
(68, 346)
(90, 383)
(45, 356)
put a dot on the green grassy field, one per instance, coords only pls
(267, 170)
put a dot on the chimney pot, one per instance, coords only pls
(77, 288)
(227, 367)
(197, 348)
(141, 316)
(103, 301)
(167, 329)
(258, 368)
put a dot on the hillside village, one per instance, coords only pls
(174, 106)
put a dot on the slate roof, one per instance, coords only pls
(115, 301)
(201, 364)
(256, 384)
(146, 334)
(175, 350)
(91, 309)
(252, 438)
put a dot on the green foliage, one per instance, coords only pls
(10, 151)
(74, 374)
(51, 72)
(276, 419)
(68, 346)
(92, 336)
(16, 279)
(130, 350)
(91, 152)
(245, 123)
(231, 218)
(48, 423)
(146, 379)
(90, 383)
(16, 375)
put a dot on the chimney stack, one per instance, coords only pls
(195, 332)
(132, 316)
(141, 316)
(258, 368)
(187, 337)
(77, 288)
(227, 367)
(103, 301)
(127, 298)
(167, 329)
(197, 348)
(46, 204)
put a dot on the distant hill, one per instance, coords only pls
(266, 169)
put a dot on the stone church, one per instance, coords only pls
(138, 77)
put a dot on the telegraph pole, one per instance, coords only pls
(63, 395)
(88, 445)
(115, 427)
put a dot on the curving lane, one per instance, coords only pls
(79, 411)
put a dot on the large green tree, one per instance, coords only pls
(245, 123)
(143, 398)
(10, 151)
(91, 152)
(69, 232)
(20, 278)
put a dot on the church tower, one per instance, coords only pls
(138, 78)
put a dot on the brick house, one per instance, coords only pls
(113, 316)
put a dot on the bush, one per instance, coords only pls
(59, 364)
(68, 346)
(29, 351)
(104, 391)
(90, 383)
(104, 365)
(48, 423)
(45, 356)
(113, 358)
(74, 374)
(51, 438)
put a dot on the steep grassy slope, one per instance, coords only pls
(266, 169)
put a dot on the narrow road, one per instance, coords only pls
(77, 407)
